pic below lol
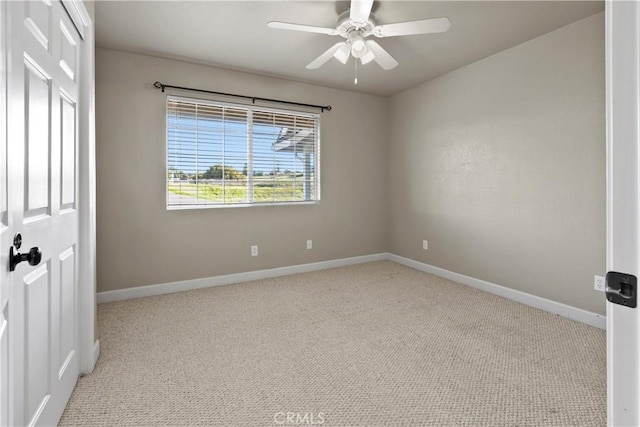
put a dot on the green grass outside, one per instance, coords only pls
(263, 191)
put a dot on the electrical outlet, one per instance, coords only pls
(598, 283)
(425, 245)
(254, 250)
(309, 244)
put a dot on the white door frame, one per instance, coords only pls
(623, 205)
(89, 345)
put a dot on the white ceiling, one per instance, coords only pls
(234, 34)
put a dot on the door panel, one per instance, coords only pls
(37, 140)
(67, 308)
(38, 21)
(4, 368)
(42, 153)
(68, 124)
(69, 52)
(38, 346)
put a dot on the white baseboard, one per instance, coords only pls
(86, 370)
(207, 282)
(564, 310)
(573, 313)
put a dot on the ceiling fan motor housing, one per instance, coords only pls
(346, 26)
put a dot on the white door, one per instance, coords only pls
(5, 232)
(623, 213)
(39, 302)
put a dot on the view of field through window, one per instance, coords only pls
(224, 154)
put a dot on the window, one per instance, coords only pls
(221, 154)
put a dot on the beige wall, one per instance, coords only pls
(501, 166)
(141, 243)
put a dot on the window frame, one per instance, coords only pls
(250, 108)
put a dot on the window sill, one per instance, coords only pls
(241, 205)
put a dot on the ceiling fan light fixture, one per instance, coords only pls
(358, 45)
(342, 54)
(367, 57)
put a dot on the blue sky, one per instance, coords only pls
(218, 142)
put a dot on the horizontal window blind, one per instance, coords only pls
(224, 154)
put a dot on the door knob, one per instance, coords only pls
(33, 257)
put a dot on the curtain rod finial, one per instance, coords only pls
(158, 85)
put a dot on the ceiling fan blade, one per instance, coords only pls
(360, 10)
(423, 26)
(301, 27)
(320, 60)
(381, 56)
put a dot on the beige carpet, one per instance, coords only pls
(371, 344)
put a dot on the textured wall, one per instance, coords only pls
(141, 243)
(501, 166)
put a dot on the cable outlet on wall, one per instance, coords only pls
(254, 250)
(598, 283)
(309, 244)
(425, 245)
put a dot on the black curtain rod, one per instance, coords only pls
(252, 98)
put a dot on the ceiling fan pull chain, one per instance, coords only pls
(355, 61)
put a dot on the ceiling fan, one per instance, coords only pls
(355, 25)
